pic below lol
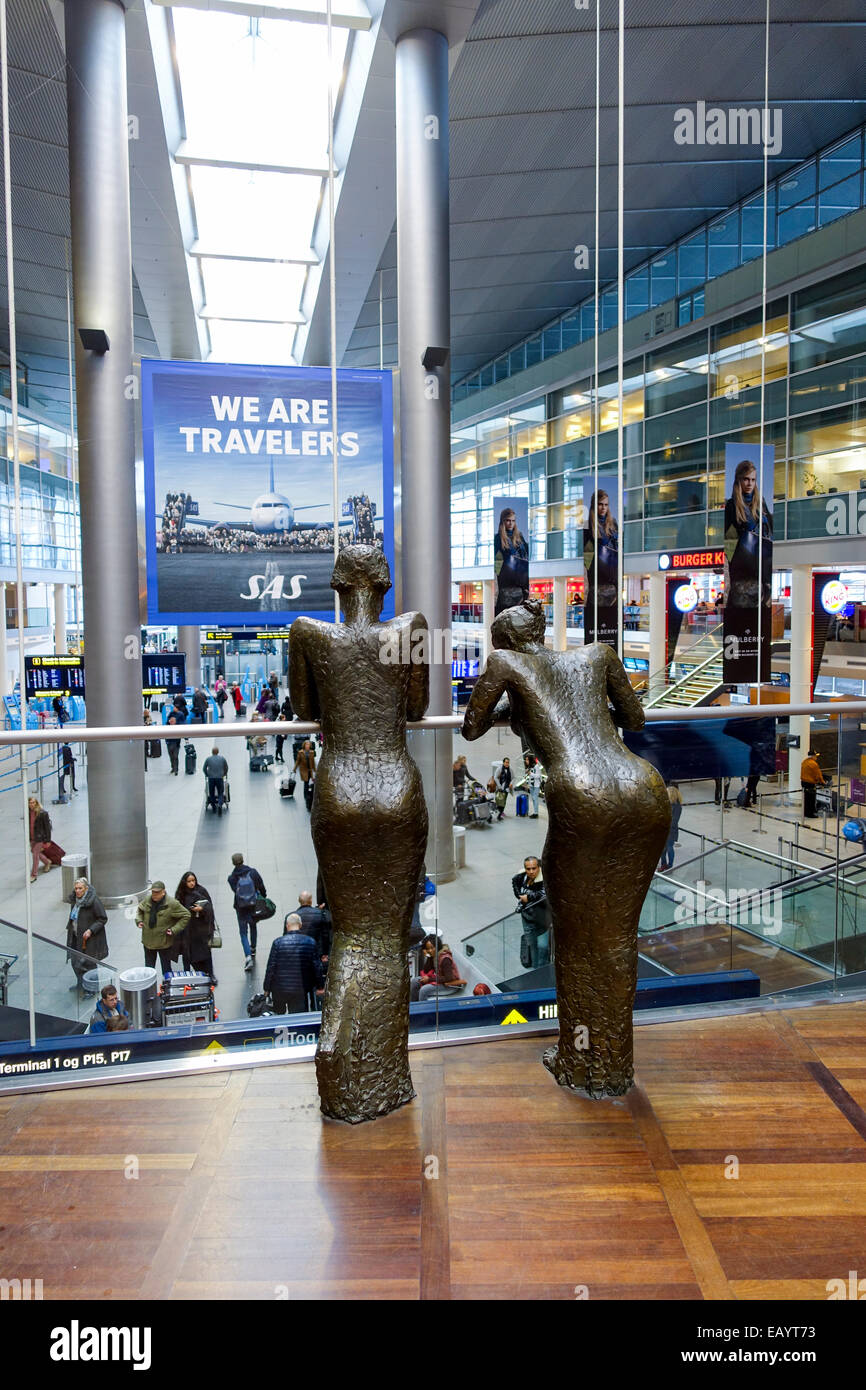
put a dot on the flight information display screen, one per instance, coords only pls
(163, 673)
(53, 675)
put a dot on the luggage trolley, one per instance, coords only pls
(227, 795)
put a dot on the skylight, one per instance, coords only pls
(255, 103)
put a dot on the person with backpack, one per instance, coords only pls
(247, 885)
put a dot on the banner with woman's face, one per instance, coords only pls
(601, 542)
(510, 551)
(748, 536)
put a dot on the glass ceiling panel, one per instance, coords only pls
(266, 343)
(255, 213)
(256, 88)
(252, 289)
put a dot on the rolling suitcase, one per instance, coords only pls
(191, 756)
(522, 806)
(242, 711)
(742, 797)
(53, 852)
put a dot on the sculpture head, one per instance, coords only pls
(519, 628)
(361, 567)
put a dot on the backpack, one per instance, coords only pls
(245, 892)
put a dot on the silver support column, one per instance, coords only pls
(189, 642)
(423, 296)
(5, 682)
(102, 288)
(60, 619)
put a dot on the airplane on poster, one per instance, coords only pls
(272, 514)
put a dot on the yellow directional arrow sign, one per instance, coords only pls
(513, 1017)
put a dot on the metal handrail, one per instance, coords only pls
(232, 729)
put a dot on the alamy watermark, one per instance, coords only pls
(740, 907)
(734, 125)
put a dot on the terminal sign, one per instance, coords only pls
(692, 559)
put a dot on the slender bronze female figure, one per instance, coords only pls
(609, 817)
(369, 824)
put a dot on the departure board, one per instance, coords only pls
(163, 673)
(53, 675)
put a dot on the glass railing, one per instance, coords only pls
(764, 890)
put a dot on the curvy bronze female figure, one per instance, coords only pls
(609, 818)
(369, 824)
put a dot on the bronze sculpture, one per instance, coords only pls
(369, 825)
(609, 817)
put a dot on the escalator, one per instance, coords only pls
(699, 682)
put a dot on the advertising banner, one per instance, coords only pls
(239, 494)
(829, 598)
(704, 748)
(601, 562)
(748, 562)
(682, 598)
(510, 551)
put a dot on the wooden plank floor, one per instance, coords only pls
(736, 1169)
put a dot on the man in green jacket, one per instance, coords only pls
(162, 920)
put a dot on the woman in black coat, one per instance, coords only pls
(200, 927)
(86, 941)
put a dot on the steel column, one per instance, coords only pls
(102, 288)
(423, 296)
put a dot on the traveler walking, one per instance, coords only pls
(161, 920)
(216, 770)
(173, 744)
(199, 706)
(200, 928)
(676, 801)
(531, 896)
(504, 779)
(247, 885)
(222, 694)
(811, 778)
(316, 923)
(40, 837)
(237, 700)
(534, 774)
(293, 970)
(67, 767)
(305, 766)
(86, 941)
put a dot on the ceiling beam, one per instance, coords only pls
(188, 155)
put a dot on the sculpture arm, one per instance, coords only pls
(626, 705)
(486, 694)
(419, 672)
(302, 687)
